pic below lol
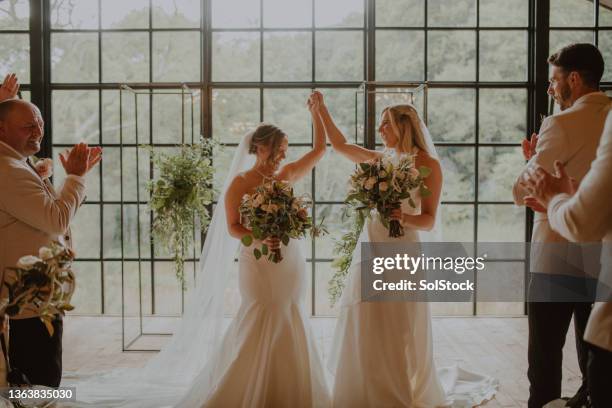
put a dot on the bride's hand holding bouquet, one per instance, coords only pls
(382, 184)
(274, 214)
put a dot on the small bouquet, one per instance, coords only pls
(273, 211)
(383, 184)
(45, 281)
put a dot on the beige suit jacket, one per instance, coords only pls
(32, 213)
(572, 137)
(587, 216)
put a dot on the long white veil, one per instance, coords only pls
(168, 375)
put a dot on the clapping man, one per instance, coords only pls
(586, 215)
(32, 214)
(570, 136)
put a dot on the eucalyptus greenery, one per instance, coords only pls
(182, 191)
(345, 247)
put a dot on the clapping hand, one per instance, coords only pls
(9, 87)
(543, 186)
(529, 146)
(80, 159)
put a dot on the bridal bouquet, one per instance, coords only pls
(273, 211)
(45, 281)
(383, 184)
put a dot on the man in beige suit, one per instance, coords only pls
(586, 215)
(571, 136)
(32, 214)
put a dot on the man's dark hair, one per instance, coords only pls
(583, 58)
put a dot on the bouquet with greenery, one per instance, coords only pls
(273, 211)
(182, 191)
(383, 184)
(45, 281)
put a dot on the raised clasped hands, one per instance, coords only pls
(315, 101)
(80, 159)
(543, 186)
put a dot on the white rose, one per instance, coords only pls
(28, 261)
(45, 253)
(414, 173)
(383, 186)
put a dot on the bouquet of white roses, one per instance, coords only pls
(383, 184)
(45, 281)
(273, 211)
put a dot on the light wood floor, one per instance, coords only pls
(495, 346)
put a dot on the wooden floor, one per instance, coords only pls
(495, 346)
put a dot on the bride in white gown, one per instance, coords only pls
(267, 357)
(382, 352)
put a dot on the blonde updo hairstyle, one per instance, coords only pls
(407, 126)
(267, 135)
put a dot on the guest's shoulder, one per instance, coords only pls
(13, 170)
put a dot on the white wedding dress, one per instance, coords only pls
(382, 352)
(268, 356)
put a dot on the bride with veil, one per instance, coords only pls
(267, 356)
(382, 352)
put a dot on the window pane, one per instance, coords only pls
(125, 57)
(235, 112)
(451, 114)
(167, 289)
(503, 56)
(605, 45)
(304, 185)
(125, 14)
(286, 108)
(497, 172)
(504, 13)
(87, 298)
(341, 105)
(222, 159)
(332, 176)
(458, 169)
(572, 13)
(14, 15)
(451, 55)
(167, 126)
(323, 274)
(399, 55)
(132, 295)
(86, 231)
(176, 57)
(605, 14)
(339, 13)
(451, 13)
(176, 13)
(110, 117)
(111, 166)
(235, 13)
(287, 13)
(457, 222)
(235, 56)
(502, 115)
(339, 56)
(82, 14)
(112, 231)
(15, 51)
(336, 224)
(559, 39)
(400, 13)
(74, 57)
(92, 179)
(75, 117)
(287, 56)
(500, 217)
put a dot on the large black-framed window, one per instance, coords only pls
(258, 60)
